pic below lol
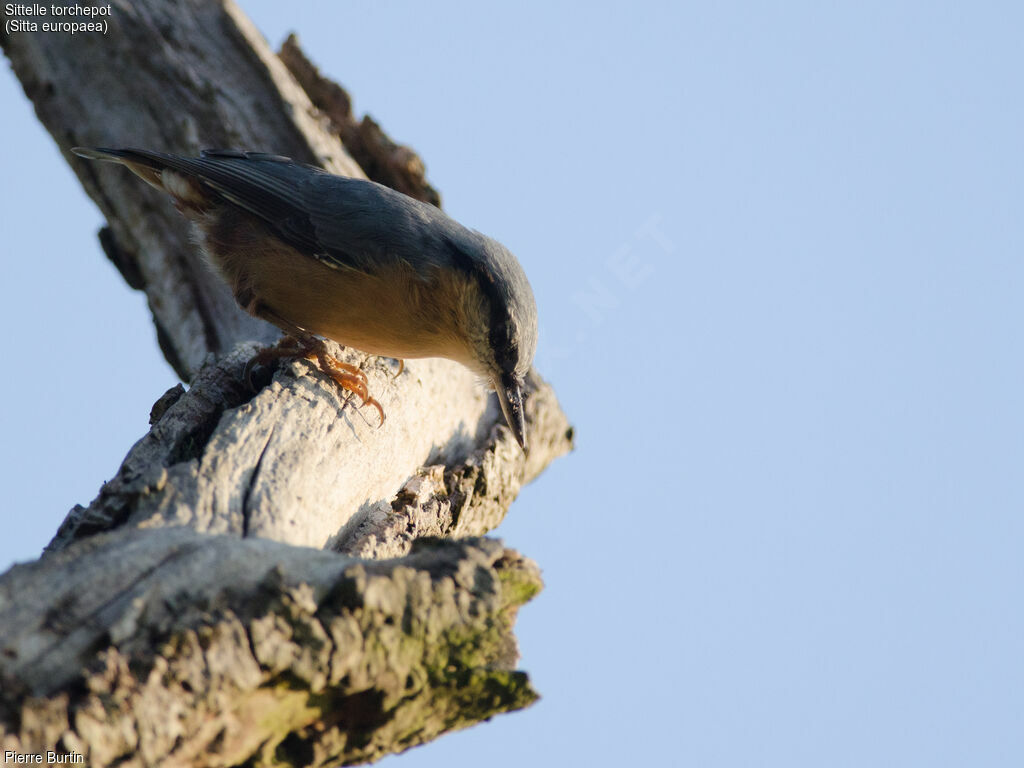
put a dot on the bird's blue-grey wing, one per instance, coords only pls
(359, 223)
(345, 223)
(316, 213)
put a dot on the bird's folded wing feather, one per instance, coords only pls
(345, 223)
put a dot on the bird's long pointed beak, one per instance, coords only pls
(510, 395)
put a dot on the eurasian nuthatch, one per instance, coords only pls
(353, 261)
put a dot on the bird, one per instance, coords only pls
(323, 256)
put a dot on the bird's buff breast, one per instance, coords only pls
(393, 312)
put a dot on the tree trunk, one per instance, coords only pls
(181, 617)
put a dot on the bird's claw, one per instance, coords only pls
(345, 375)
(288, 346)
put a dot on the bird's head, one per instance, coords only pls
(506, 328)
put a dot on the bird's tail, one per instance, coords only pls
(113, 155)
(150, 167)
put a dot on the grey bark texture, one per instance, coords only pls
(182, 617)
(177, 648)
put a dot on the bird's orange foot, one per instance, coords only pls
(287, 346)
(345, 375)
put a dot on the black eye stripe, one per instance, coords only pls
(502, 340)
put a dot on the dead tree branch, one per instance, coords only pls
(276, 655)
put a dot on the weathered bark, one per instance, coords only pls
(253, 650)
(177, 648)
(222, 459)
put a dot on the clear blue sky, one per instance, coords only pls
(777, 250)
